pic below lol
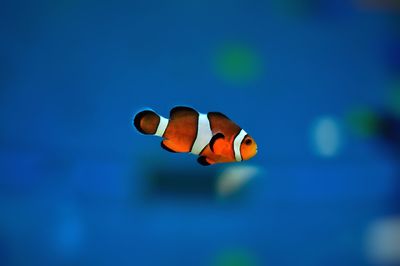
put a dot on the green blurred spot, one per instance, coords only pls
(394, 99)
(236, 257)
(238, 64)
(364, 121)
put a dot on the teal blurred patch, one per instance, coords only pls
(238, 64)
(296, 8)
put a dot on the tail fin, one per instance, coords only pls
(146, 122)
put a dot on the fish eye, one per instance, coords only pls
(248, 142)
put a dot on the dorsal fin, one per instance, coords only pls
(180, 111)
(221, 123)
(214, 140)
(218, 114)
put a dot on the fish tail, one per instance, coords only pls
(150, 123)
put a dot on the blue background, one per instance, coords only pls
(74, 183)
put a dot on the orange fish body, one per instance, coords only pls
(213, 136)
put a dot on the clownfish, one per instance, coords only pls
(212, 136)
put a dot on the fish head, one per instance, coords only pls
(248, 148)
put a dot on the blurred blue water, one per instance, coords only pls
(73, 73)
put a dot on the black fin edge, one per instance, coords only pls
(202, 160)
(214, 139)
(138, 118)
(167, 148)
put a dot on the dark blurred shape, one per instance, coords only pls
(382, 124)
(236, 257)
(387, 5)
(393, 55)
(390, 130)
(238, 63)
(390, 133)
(364, 121)
(179, 181)
(385, 126)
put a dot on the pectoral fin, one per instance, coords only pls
(217, 143)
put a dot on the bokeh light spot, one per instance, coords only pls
(238, 64)
(383, 241)
(363, 121)
(234, 178)
(326, 136)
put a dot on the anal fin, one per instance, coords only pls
(165, 147)
(203, 161)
